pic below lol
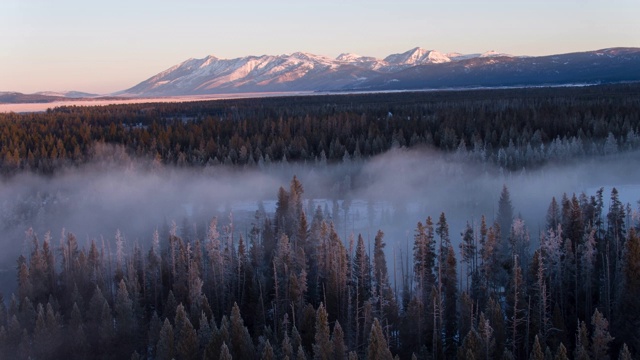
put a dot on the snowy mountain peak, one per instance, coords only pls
(417, 56)
(348, 57)
(493, 53)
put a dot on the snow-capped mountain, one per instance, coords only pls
(417, 56)
(417, 68)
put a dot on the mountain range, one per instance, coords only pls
(417, 68)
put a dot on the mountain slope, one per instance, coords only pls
(414, 69)
(602, 66)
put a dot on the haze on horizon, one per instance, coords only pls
(109, 46)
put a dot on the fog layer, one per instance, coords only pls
(390, 192)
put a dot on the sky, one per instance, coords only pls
(106, 46)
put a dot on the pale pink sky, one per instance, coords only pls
(107, 46)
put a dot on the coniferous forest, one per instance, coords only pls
(333, 244)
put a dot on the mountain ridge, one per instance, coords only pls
(417, 68)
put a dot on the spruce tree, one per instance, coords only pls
(505, 214)
(600, 337)
(165, 346)
(536, 353)
(241, 344)
(562, 353)
(337, 338)
(471, 346)
(628, 319)
(224, 352)
(322, 347)
(625, 354)
(378, 348)
(450, 303)
(267, 352)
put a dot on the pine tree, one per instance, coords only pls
(378, 348)
(153, 335)
(624, 353)
(468, 251)
(186, 339)
(337, 338)
(553, 214)
(471, 346)
(450, 303)
(424, 258)
(536, 353)
(361, 274)
(322, 347)
(241, 344)
(287, 348)
(267, 352)
(77, 339)
(628, 320)
(505, 214)
(485, 331)
(105, 329)
(600, 337)
(562, 353)
(204, 332)
(125, 319)
(224, 353)
(165, 346)
(386, 305)
(496, 319)
(300, 355)
(582, 342)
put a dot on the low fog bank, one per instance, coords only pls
(390, 192)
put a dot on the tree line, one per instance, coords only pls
(513, 128)
(290, 288)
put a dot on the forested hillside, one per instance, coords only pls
(513, 128)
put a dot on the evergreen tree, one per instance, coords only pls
(378, 348)
(267, 352)
(471, 346)
(600, 337)
(322, 347)
(450, 303)
(496, 320)
(424, 258)
(485, 331)
(77, 339)
(186, 339)
(553, 214)
(505, 214)
(241, 344)
(386, 305)
(287, 348)
(536, 353)
(224, 353)
(628, 320)
(625, 354)
(582, 342)
(562, 353)
(337, 338)
(165, 346)
(125, 319)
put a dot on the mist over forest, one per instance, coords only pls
(158, 190)
(403, 186)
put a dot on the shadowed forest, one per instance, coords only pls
(480, 224)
